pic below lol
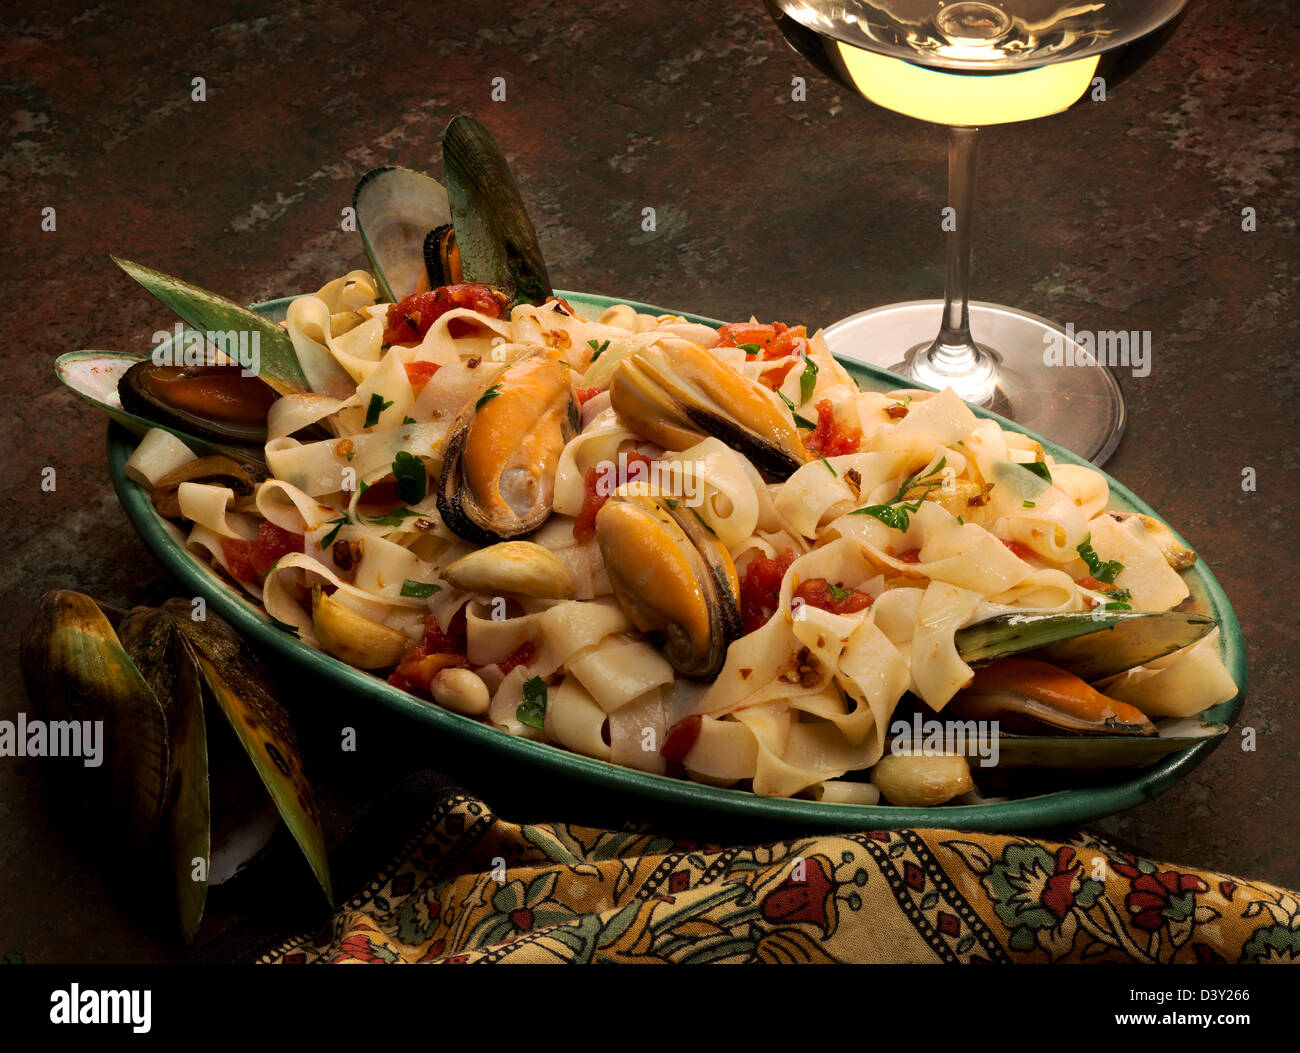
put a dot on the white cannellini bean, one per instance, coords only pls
(461, 691)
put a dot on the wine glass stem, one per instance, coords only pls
(954, 358)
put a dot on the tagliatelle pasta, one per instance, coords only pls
(909, 519)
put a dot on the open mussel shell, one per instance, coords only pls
(96, 377)
(503, 449)
(237, 682)
(148, 682)
(214, 402)
(397, 211)
(676, 393)
(242, 335)
(151, 639)
(495, 237)
(674, 579)
(1091, 645)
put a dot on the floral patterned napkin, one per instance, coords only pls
(471, 887)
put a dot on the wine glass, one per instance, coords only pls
(968, 65)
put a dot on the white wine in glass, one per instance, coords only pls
(968, 65)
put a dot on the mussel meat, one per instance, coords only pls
(214, 402)
(677, 393)
(1024, 695)
(673, 579)
(498, 471)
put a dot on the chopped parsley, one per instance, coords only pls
(408, 420)
(807, 380)
(893, 513)
(338, 524)
(411, 478)
(1106, 571)
(532, 711)
(907, 402)
(419, 589)
(837, 593)
(376, 407)
(802, 422)
(394, 518)
(1039, 468)
(283, 625)
(488, 396)
(829, 468)
(750, 349)
(1028, 504)
(597, 349)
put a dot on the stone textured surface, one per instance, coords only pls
(1125, 215)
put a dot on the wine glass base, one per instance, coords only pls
(1077, 405)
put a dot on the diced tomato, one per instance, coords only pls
(585, 395)
(912, 555)
(680, 738)
(818, 592)
(774, 378)
(790, 342)
(831, 438)
(584, 527)
(238, 555)
(736, 333)
(410, 320)
(1019, 548)
(270, 544)
(381, 495)
(435, 651)
(760, 589)
(522, 655)
(419, 373)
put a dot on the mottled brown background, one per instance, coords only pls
(1125, 215)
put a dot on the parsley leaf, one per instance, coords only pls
(419, 589)
(1104, 572)
(891, 515)
(802, 422)
(1039, 468)
(394, 518)
(533, 709)
(411, 478)
(339, 524)
(408, 420)
(895, 513)
(376, 407)
(750, 349)
(283, 625)
(807, 380)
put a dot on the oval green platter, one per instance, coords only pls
(1059, 808)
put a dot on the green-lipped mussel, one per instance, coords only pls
(149, 681)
